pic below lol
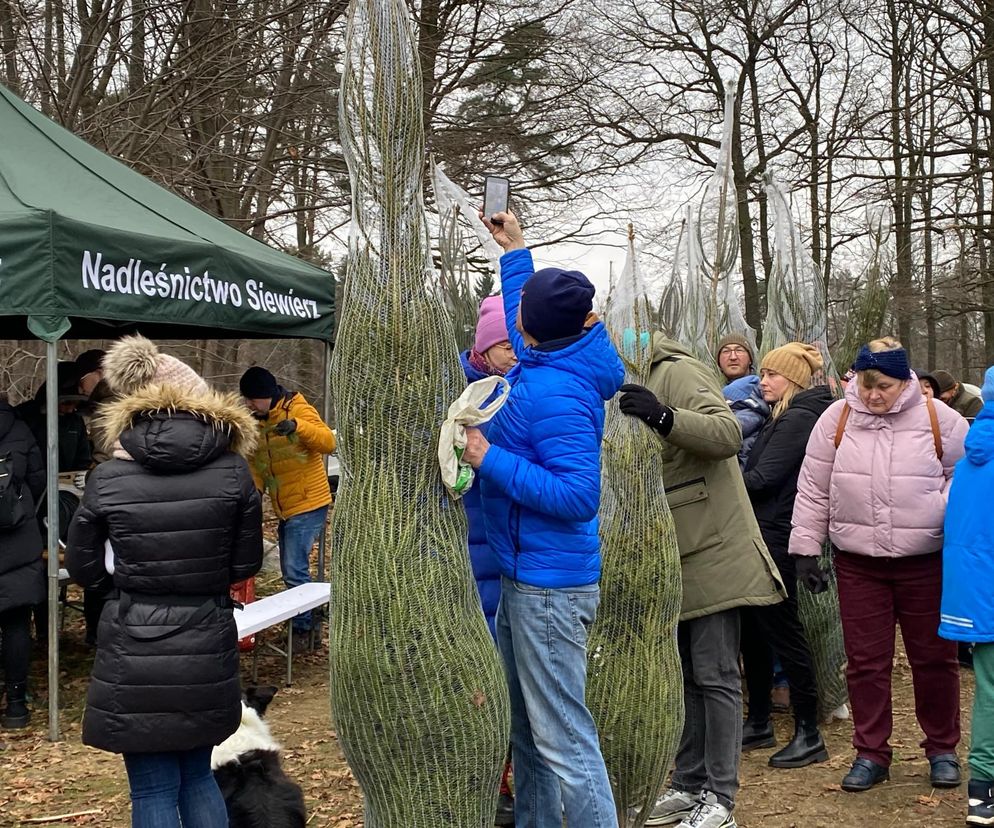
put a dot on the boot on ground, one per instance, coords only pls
(16, 714)
(981, 802)
(806, 748)
(757, 734)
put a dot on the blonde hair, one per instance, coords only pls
(784, 402)
(871, 376)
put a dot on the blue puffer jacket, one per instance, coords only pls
(968, 553)
(541, 478)
(481, 556)
(750, 409)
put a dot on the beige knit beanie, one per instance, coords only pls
(134, 362)
(795, 361)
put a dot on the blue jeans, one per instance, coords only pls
(558, 767)
(297, 535)
(173, 789)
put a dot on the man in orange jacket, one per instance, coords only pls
(289, 464)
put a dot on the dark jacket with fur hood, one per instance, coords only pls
(184, 521)
(22, 574)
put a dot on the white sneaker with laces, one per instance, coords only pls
(709, 813)
(670, 808)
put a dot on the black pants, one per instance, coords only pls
(16, 627)
(777, 629)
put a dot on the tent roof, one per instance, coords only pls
(90, 248)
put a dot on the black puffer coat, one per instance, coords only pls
(22, 573)
(771, 472)
(184, 521)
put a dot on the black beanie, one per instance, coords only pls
(555, 303)
(258, 384)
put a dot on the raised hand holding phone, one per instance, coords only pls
(505, 230)
(496, 195)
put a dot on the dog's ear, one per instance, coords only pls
(258, 698)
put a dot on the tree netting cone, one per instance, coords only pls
(417, 689)
(797, 312)
(635, 681)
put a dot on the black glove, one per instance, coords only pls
(810, 573)
(642, 403)
(285, 427)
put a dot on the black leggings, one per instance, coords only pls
(777, 629)
(16, 627)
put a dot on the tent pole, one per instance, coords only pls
(326, 416)
(52, 501)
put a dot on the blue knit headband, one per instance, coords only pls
(892, 363)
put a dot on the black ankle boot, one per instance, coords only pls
(16, 715)
(756, 735)
(806, 748)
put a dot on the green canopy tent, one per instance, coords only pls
(91, 249)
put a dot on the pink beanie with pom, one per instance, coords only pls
(490, 328)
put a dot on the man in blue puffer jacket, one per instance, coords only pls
(967, 598)
(540, 481)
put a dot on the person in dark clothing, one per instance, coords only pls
(74, 441)
(171, 522)
(22, 575)
(770, 478)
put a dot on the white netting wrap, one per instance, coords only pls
(796, 309)
(417, 689)
(635, 682)
(712, 247)
(461, 237)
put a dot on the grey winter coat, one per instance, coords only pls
(184, 520)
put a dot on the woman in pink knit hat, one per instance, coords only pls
(490, 355)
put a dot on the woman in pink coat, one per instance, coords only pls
(874, 481)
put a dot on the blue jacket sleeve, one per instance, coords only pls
(516, 268)
(565, 483)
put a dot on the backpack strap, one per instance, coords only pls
(843, 419)
(932, 416)
(934, 421)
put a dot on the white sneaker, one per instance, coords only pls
(670, 808)
(709, 813)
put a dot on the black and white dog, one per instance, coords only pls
(247, 768)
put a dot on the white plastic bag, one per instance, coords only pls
(469, 410)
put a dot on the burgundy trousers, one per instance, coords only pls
(875, 594)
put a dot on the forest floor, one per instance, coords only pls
(67, 784)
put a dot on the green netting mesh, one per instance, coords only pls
(797, 312)
(712, 246)
(417, 690)
(635, 682)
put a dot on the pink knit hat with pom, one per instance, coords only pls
(134, 362)
(490, 328)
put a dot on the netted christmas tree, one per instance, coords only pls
(468, 257)
(671, 299)
(635, 682)
(797, 312)
(417, 689)
(868, 300)
(796, 306)
(712, 306)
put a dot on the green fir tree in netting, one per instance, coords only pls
(712, 306)
(634, 680)
(868, 302)
(797, 312)
(417, 689)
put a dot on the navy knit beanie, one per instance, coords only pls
(555, 303)
(258, 384)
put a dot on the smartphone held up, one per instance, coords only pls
(496, 193)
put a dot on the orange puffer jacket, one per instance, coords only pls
(292, 468)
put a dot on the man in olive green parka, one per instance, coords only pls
(725, 565)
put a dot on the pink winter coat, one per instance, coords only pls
(883, 493)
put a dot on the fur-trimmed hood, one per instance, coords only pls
(224, 410)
